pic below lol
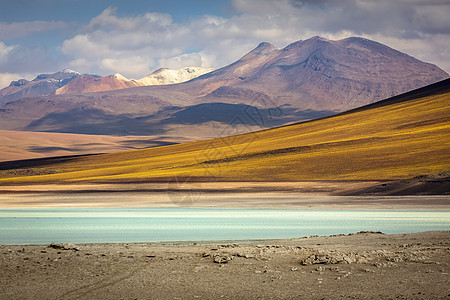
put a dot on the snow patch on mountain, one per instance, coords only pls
(167, 76)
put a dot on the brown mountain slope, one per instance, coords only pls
(89, 84)
(398, 138)
(42, 85)
(320, 73)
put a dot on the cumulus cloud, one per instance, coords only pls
(136, 45)
(127, 45)
(6, 78)
(5, 50)
(189, 59)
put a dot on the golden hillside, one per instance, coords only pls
(396, 138)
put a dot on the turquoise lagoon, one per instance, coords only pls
(110, 225)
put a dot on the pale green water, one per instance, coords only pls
(100, 225)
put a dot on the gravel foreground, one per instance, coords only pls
(366, 265)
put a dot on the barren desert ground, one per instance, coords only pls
(357, 266)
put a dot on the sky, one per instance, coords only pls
(136, 37)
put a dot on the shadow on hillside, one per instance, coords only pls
(96, 121)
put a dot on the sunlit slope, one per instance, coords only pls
(397, 138)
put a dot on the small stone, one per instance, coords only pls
(64, 246)
(348, 260)
(222, 259)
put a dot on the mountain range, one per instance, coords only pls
(72, 82)
(89, 83)
(267, 87)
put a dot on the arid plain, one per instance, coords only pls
(358, 266)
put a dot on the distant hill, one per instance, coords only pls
(62, 82)
(397, 138)
(19, 145)
(88, 84)
(42, 85)
(267, 87)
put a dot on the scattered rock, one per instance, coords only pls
(245, 255)
(332, 258)
(222, 259)
(384, 264)
(64, 246)
(369, 232)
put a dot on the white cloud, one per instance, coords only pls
(198, 59)
(135, 46)
(4, 51)
(127, 45)
(6, 78)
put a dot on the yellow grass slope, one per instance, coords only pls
(397, 138)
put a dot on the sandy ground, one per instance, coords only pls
(358, 266)
(223, 200)
(277, 195)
